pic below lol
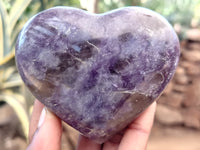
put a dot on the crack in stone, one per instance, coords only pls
(93, 46)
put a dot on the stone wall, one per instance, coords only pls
(180, 102)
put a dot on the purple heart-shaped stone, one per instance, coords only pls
(97, 72)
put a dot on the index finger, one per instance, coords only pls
(137, 134)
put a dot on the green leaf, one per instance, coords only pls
(16, 11)
(4, 33)
(8, 72)
(7, 58)
(8, 34)
(1, 38)
(11, 84)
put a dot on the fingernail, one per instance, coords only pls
(42, 117)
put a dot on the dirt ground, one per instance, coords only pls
(161, 138)
(174, 138)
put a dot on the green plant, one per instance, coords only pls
(10, 82)
(176, 11)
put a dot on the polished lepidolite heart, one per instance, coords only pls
(97, 72)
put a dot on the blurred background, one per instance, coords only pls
(177, 121)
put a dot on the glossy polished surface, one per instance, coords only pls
(97, 72)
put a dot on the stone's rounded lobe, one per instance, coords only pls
(97, 72)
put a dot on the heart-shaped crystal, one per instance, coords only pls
(97, 72)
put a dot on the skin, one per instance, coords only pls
(47, 135)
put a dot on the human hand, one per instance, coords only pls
(46, 131)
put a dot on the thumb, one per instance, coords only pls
(48, 134)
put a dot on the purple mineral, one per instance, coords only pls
(97, 72)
